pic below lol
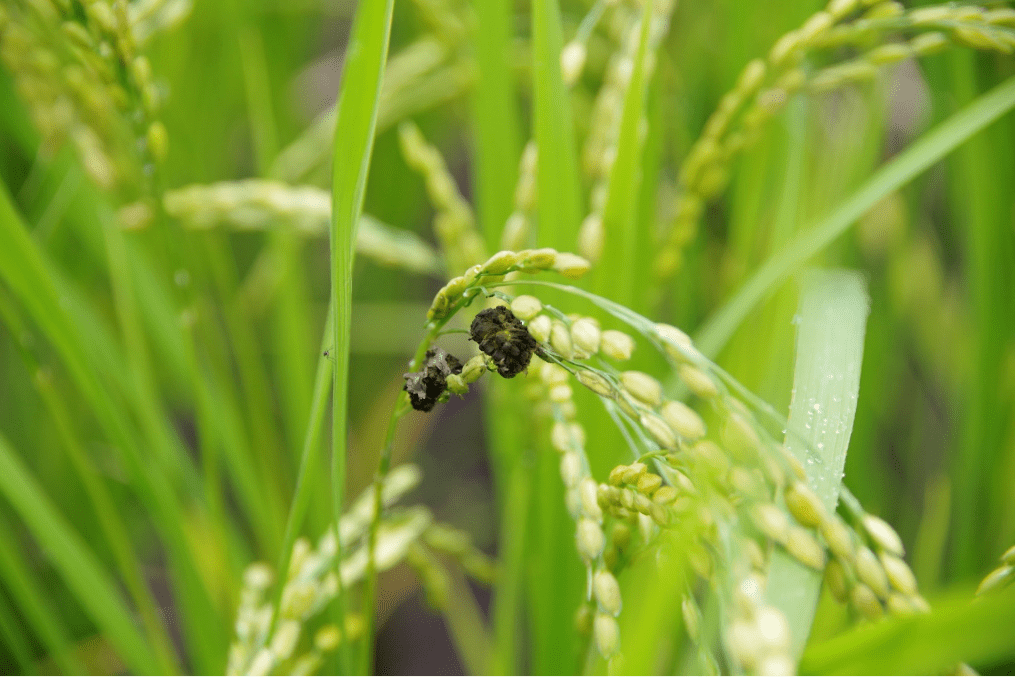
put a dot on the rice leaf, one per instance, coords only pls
(957, 630)
(557, 174)
(619, 222)
(75, 562)
(495, 117)
(36, 612)
(831, 318)
(918, 157)
(355, 124)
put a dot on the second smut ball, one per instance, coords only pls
(504, 338)
(426, 386)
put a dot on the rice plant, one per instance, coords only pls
(479, 336)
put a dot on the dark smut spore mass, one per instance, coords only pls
(505, 339)
(428, 384)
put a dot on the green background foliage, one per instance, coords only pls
(160, 387)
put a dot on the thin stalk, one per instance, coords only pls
(222, 434)
(309, 458)
(290, 325)
(384, 464)
(207, 411)
(136, 349)
(16, 638)
(112, 525)
(466, 625)
(370, 579)
(76, 563)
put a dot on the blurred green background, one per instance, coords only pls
(182, 383)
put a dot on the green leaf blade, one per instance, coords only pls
(355, 127)
(557, 174)
(620, 210)
(958, 630)
(495, 117)
(832, 317)
(918, 157)
(75, 562)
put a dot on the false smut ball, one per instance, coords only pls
(503, 337)
(428, 384)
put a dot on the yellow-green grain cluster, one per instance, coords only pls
(462, 288)
(765, 85)
(600, 148)
(1000, 577)
(708, 483)
(283, 640)
(454, 221)
(549, 386)
(262, 204)
(84, 82)
(456, 545)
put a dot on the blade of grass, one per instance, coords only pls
(309, 461)
(291, 324)
(958, 630)
(102, 503)
(136, 353)
(557, 174)
(355, 125)
(37, 611)
(980, 186)
(258, 92)
(81, 212)
(15, 640)
(208, 415)
(619, 224)
(161, 318)
(265, 441)
(654, 154)
(832, 316)
(466, 624)
(75, 561)
(90, 216)
(37, 287)
(221, 423)
(495, 117)
(553, 570)
(113, 388)
(770, 192)
(113, 527)
(516, 487)
(918, 157)
(555, 574)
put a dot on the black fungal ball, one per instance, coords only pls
(428, 384)
(504, 338)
